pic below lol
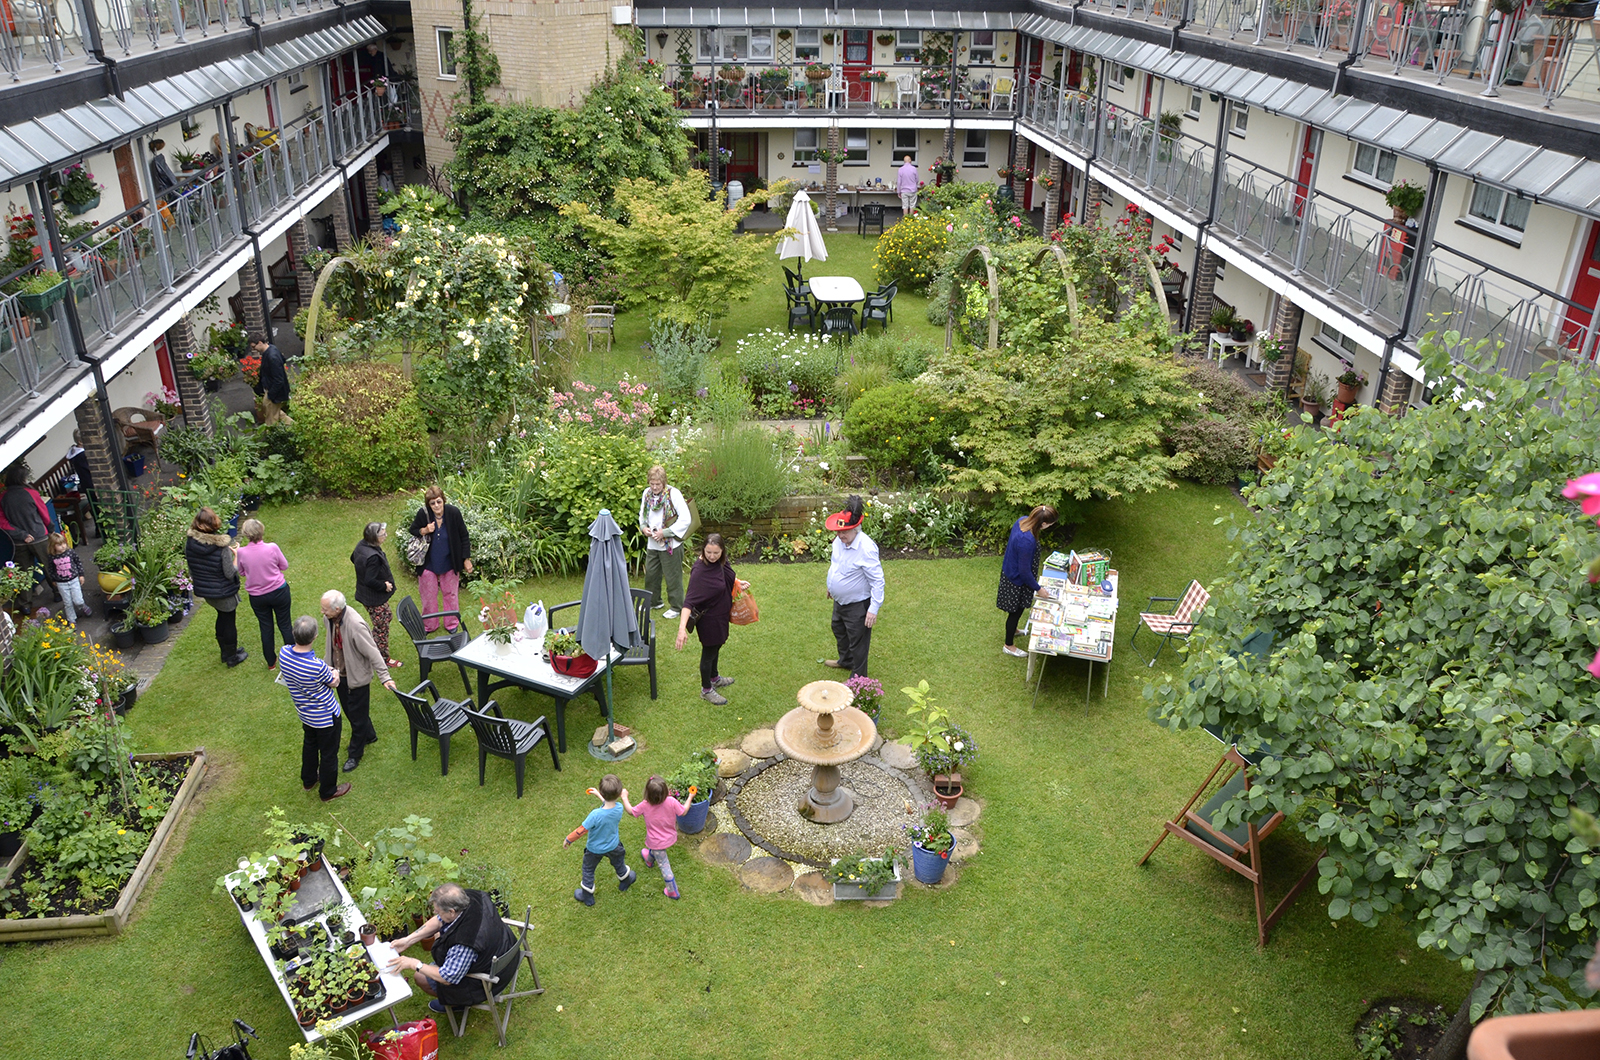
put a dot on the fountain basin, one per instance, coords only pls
(825, 732)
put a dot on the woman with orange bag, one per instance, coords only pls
(706, 607)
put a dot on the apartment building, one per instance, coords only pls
(225, 140)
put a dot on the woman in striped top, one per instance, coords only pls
(311, 683)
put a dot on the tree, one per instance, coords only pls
(1065, 422)
(680, 247)
(1426, 702)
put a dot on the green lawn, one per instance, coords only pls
(1051, 943)
(848, 255)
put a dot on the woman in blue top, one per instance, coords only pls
(1018, 581)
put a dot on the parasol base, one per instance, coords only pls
(615, 751)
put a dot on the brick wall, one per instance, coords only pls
(1019, 168)
(342, 233)
(299, 247)
(1286, 323)
(94, 435)
(1091, 203)
(369, 183)
(251, 307)
(1395, 394)
(191, 391)
(1204, 298)
(1052, 197)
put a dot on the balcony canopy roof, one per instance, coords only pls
(825, 18)
(1563, 180)
(53, 141)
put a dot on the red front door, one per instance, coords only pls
(1149, 94)
(1074, 70)
(857, 60)
(1585, 293)
(164, 364)
(1308, 159)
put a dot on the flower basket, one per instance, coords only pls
(43, 300)
(731, 73)
(816, 72)
(76, 208)
(579, 665)
(853, 892)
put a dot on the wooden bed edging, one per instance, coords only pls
(112, 922)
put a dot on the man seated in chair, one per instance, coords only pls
(471, 936)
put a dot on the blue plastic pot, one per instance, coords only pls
(927, 866)
(694, 821)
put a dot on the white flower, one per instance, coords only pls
(823, 464)
(1099, 415)
(957, 746)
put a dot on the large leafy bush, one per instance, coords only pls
(362, 427)
(740, 471)
(580, 471)
(910, 251)
(892, 426)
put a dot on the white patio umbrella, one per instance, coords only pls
(806, 243)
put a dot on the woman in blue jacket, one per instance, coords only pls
(1018, 580)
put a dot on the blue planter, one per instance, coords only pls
(694, 821)
(927, 866)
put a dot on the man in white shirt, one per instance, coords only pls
(855, 584)
(664, 520)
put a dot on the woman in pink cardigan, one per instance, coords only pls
(263, 566)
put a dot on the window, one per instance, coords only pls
(807, 45)
(1194, 103)
(735, 45)
(908, 46)
(805, 146)
(857, 45)
(1495, 207)
(855, 146)
(977, 151)
(1240, 122)
(445, 38)
(982, 48)
(1336, 340)
(1114, 76)
(1375, 162)
(905, 143)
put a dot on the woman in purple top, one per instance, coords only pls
(1018, 582)
(263, 566)
(708, 603)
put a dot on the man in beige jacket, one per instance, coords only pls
(351, 650)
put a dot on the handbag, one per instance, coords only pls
(417, 549)
(744, 611)
(418, 1040)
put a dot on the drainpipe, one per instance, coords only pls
(1419, 269)
(1183, 23)
(1357, 31)
(1211, 209)
(96, 49)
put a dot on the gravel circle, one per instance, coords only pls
(768, 802)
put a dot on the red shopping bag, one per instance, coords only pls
(744, 610)
(418, 1040)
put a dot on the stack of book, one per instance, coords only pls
(1070, 618)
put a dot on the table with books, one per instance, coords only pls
(1074, 615)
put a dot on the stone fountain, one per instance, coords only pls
(825, 732)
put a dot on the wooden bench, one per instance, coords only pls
(284, 283)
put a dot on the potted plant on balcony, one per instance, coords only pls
(876, 77)
(1581, 11)
(731, 73)
(1223, 318)
(1315, 395)
(885, 39)
(1350, 384)
(79, 191)
(1241, 330)
(1405, 198)
(187, 161)
(41, 291)
(817, 72)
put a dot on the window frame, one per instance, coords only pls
(967, 150)
(1498, 225)
(1196, 97)
(724, 45)
(444, 42)
(856, 154)
(1114, 77)
(1374, 174)
(1238, 119)
(810, 152)
(986, 58)
(907, 46)
(900, 150)
(808, 51)
(1336, 341)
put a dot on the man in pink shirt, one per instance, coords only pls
(907, 186)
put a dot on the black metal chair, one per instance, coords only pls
(879, 307)
(644, 655)
(507, 738)
(839, 321)
(800, 309)
(441, 719)
(436, 648)
(500, 984)
(871, 213)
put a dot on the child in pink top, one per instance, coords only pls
(660, 812)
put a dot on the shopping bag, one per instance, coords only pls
(744, 610)
(418, 1040)
(535, 622)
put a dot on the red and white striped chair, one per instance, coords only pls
(1168, 624)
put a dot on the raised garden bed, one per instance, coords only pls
(113, 920)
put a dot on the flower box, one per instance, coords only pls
(38, 303)
(114, 920)
(854, 892)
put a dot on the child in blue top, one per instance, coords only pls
(603, 842)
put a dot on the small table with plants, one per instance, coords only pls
(524, 664)
(1078, 617)
(308, 938)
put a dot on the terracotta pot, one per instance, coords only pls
(1545, 1035)
(369, 935)
(1348, 393)
(947, 789)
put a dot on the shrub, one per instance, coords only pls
(579, 472)
(892, 425)
(362, 427)
(796, 367)
(736, 472)
(904, 357)
(854, 382)
(683, 354)
(909, 252)
(1221, 448)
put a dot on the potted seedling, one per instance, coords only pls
(41, 291)
(860, 876)
(693, 784)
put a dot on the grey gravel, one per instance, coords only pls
(770, 799)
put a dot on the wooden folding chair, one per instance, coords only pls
(1176, 623)
(1237, 847)
(506, 968)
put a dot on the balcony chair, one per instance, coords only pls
(600, 320)
(500, 984)
(441, 719)
(905, 91)
(879, 307)
(840, 321)
(141, 427)
(434, 648)
(837, 90)
(1004, 88)
(507, 738)
(1176, 623)
(871, 213)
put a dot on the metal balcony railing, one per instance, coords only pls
(766, 89)
(129, 265)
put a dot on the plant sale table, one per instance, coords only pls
(522, 664)
(1076, 621)
(323, 893)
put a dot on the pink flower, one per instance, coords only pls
(1587, 487)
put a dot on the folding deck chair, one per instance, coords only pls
(1176, 623)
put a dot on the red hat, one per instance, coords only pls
(849, 518)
